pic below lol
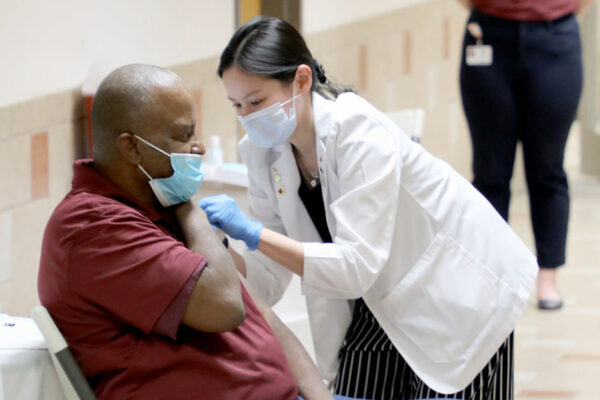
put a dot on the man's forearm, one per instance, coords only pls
(309, 381)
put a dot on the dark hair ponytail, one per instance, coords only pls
(271, 47)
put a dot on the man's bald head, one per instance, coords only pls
(124, 101)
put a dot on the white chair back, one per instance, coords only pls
(73, 382)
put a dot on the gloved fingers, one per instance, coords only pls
(227, 212)
(216, 199)
(230, 206)
(214, 219)
(225, 221)
(210, 210)
(205, 203)
(219, 204)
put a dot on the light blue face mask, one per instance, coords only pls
(185, 181)
(271, 126)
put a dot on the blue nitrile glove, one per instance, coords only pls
(223, 213)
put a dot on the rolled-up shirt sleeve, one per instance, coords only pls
(168, 324)
(122, 262)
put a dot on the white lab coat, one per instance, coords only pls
(445, 276)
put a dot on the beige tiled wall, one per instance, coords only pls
(39, 139)
(404, 59)
(408, 58)
(215, 114)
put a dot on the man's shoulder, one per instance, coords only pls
(79, 208)
(93, 203)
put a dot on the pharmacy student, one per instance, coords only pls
(413, 281)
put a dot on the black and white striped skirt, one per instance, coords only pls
(372, 368)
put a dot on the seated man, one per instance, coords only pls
(147, 295)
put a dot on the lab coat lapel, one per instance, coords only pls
(286, 180)
(329, 318)
(322, 111)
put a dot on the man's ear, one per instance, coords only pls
(303, 79)
(127, 145)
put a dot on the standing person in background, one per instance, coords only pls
(413, 281)
(521, 79)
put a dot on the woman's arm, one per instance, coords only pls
(224, 213)
(283, 250)
(369, 164)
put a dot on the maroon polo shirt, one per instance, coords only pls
(116, 276)
(526, 10)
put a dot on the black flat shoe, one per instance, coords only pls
(550, 304)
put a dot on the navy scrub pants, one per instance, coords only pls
(530, 94)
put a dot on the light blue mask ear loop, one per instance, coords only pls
(154, 147)
(293, 99)
(144, 171)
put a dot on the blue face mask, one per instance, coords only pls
(271, 126)
(184, 182)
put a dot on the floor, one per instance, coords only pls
(557, 353)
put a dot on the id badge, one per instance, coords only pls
(479, 55)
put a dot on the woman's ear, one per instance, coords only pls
(303, 79)
(127, 145)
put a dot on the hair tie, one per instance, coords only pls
(320, 72)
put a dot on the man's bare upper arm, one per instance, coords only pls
(215, 304)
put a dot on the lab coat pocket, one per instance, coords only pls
(444, 302)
